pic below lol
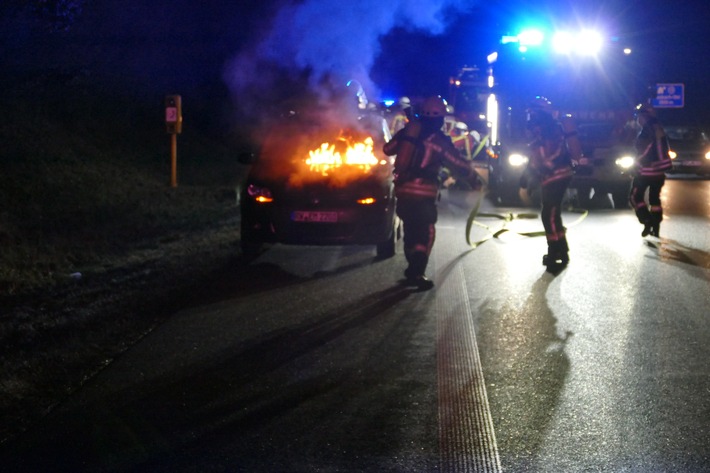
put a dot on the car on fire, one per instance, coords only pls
(317, 184)
(689, 149)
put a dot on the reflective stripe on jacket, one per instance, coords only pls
(421, 179)
(653, 150)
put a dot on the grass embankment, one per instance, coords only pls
(85, 177)
(95, 246)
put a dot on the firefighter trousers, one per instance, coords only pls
(419, 218)
(551, 214)
(650, 213)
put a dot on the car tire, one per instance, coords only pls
(249, 243)
(386, 248)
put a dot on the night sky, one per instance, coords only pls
(393, 48)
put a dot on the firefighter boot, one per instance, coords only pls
(564, 251)
(557, 255)
(414, 273)
(647, 228)
(656, 230)
(655, 224)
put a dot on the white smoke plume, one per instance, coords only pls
(313, 47)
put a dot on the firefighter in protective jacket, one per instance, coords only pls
(551, 164)
(421, 149)
(653, 160)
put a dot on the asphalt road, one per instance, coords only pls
(328, 364)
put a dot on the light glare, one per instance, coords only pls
(562, 42)
(589, 42)
(516, 160)
(531, 37)
(626, 162)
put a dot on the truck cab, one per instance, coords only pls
(601, 99)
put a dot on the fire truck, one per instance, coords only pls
(599, 96)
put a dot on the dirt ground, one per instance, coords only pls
(55, 340)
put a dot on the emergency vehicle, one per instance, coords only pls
(599, 95)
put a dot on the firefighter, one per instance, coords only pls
(471, 149)
(551, 165)
(402, 115)
(463, 140)
(458, 133)
(421, 149)
(652, 162)
(449, 120)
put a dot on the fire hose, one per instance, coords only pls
(507, 218)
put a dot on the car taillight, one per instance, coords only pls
(260, 194)
(367, 201)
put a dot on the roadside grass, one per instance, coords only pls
(85, 177)
(96, 248)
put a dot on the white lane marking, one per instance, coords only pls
(467, 441)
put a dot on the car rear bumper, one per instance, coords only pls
(360, 225)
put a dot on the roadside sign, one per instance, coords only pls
(173, 114)
(669, 96)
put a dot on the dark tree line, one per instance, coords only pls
(50, 15)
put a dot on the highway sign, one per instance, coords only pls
(669, 96)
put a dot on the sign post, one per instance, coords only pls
(173, 122)
(669, 96)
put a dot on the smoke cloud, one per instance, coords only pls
(310, 48)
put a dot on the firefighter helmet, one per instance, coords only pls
(461, 127)
(542, 104)
(404, 102)
(645, 109)
(434, 107)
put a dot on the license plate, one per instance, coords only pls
(322, 217)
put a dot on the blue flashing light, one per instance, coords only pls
(531, 37)
(584, 42)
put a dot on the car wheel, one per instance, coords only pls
(386, 249)
(250, 249)
(249, 243)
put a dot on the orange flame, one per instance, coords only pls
(356, 155)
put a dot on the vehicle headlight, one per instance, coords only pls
(672, 154)
(517, 160)
(259, 193)
(707, 155)
(625, 162)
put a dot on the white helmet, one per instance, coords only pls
(434, 107)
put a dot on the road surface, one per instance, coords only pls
(329, 364)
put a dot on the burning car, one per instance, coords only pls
(314, 184)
